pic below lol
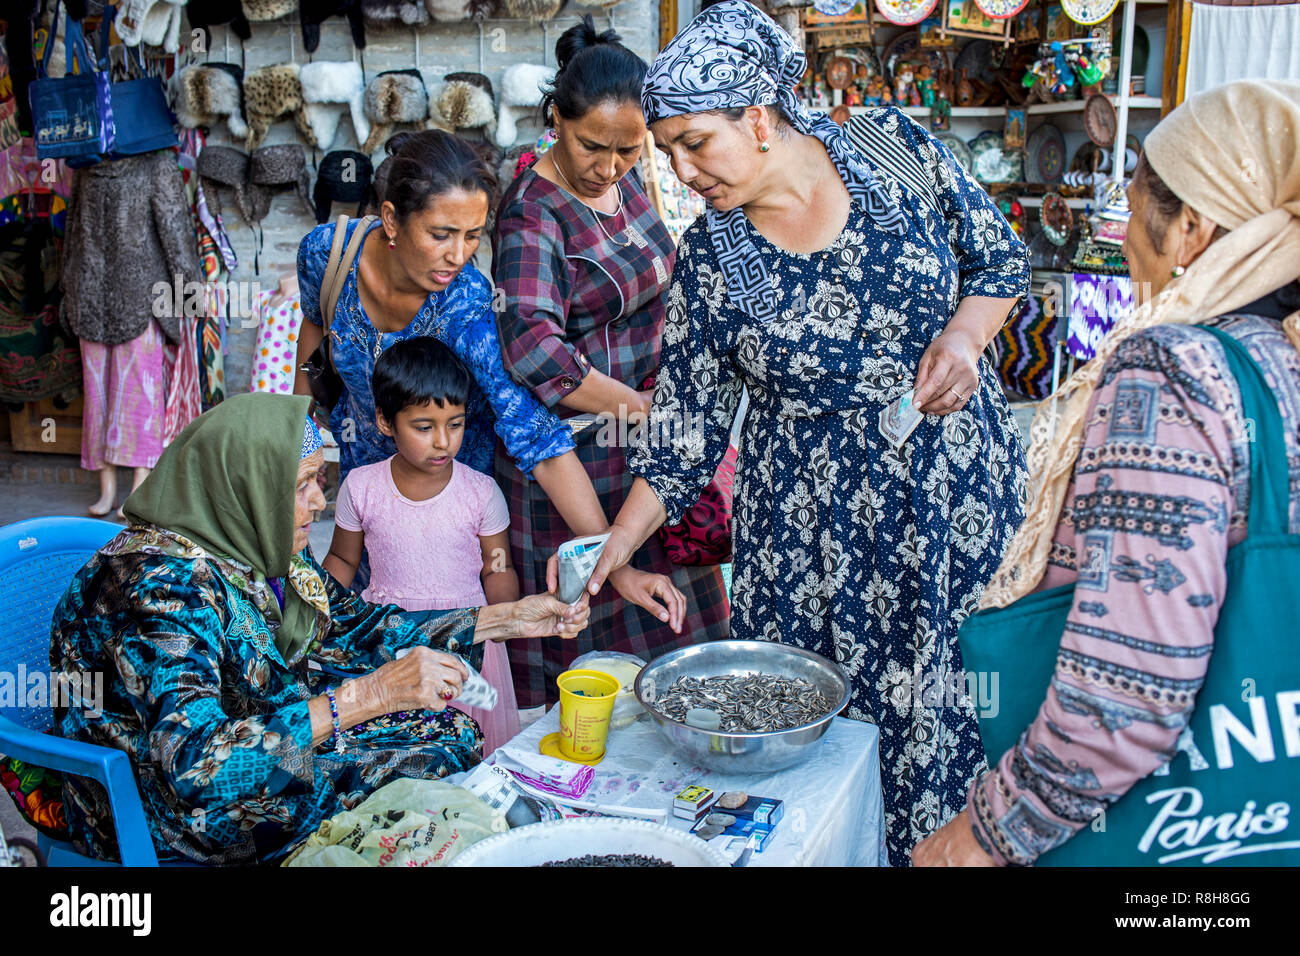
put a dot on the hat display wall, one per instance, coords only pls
(271, 92)
(535, 10)
(328, 91)
(394, 13)
(315, 12)
(344, 176)
(205, 14)
(204, 94)
(394, 97)
(478, 79)
(264, 11)
(155, 22)
(521, 93)
(457, 105)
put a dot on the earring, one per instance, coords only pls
(392, 243)
(763, 147)
(1176, 271)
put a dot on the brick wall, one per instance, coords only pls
(443, 48)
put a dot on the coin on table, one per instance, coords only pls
(733, 799)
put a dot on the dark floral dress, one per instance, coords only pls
(215, 723)
(869, 556)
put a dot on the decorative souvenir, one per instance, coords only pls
(932, 35)
(903, 85)
(964, 15)
(941, 114)
(976, 58)
(1013, 212)
(965, 91)
(1027, 26)
(1056, 218)
(960, 151)
(1013, 135)
(905, 13)
(841, 114)
(1099, 120)
(1088, 12)
(875, 88)
(993, 163)
(1045, 154)
(1000, 9)
(829, 13)
(839, 73)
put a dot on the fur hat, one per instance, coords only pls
(225, 166)
(205, 14)
(344, 176)
(450, 11)
(459, 105)
(391, 13)
(262, 11)
(535, 10)
(272, 168)
(328, 91)
(202, 94)
(393, 97)
(271, 92)
(521, 94)
(478, 79)
(315, 12)
(155, 22)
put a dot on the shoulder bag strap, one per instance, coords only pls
(336, 270)
(1269, 491)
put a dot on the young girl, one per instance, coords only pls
(436, 530)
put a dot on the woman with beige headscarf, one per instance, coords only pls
(1140, 489)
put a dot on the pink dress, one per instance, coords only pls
(426, 556)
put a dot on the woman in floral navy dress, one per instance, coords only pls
(831, 275)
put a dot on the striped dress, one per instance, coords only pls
(575, 299)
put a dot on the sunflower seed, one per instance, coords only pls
(748, 703)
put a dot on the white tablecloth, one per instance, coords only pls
(834, 815)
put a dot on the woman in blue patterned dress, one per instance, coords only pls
(413, 277)
(205, 615)
(828, 278)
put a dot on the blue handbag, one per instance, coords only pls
(1228, 794)
(72, 115)
(142, 120)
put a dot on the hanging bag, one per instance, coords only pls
(72, 115)
(324, 379)
(1228, 795)
(142, 120)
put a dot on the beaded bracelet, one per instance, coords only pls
(337, 739)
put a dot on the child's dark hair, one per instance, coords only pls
(593, 68)
(415, 372)
(425, 165)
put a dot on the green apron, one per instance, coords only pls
(1226, 796)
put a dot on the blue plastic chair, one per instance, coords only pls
(38, 559)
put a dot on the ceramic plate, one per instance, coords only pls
(958, 147)
(833, 8)
(1045, 155)
(905, 13)
(1099, 120)
(1088, 12)
(1000, 9)
(993, 163)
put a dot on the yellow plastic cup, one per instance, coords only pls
(586, 704)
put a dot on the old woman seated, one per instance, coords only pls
(256, 696)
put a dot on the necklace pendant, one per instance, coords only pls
(634, 234)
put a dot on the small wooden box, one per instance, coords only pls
(38, 422)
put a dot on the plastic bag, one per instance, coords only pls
(623, 668)
(404, 823)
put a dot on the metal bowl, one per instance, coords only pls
(742, 753)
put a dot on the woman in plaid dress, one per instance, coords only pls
(583, 262)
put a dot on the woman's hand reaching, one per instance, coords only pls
(948, 373)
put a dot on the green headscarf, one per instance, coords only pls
(228, 484)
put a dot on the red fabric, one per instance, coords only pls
(703, 536)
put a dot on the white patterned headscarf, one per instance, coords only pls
(733, 55)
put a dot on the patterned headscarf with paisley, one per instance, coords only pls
(224, 491)
(733, 55)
